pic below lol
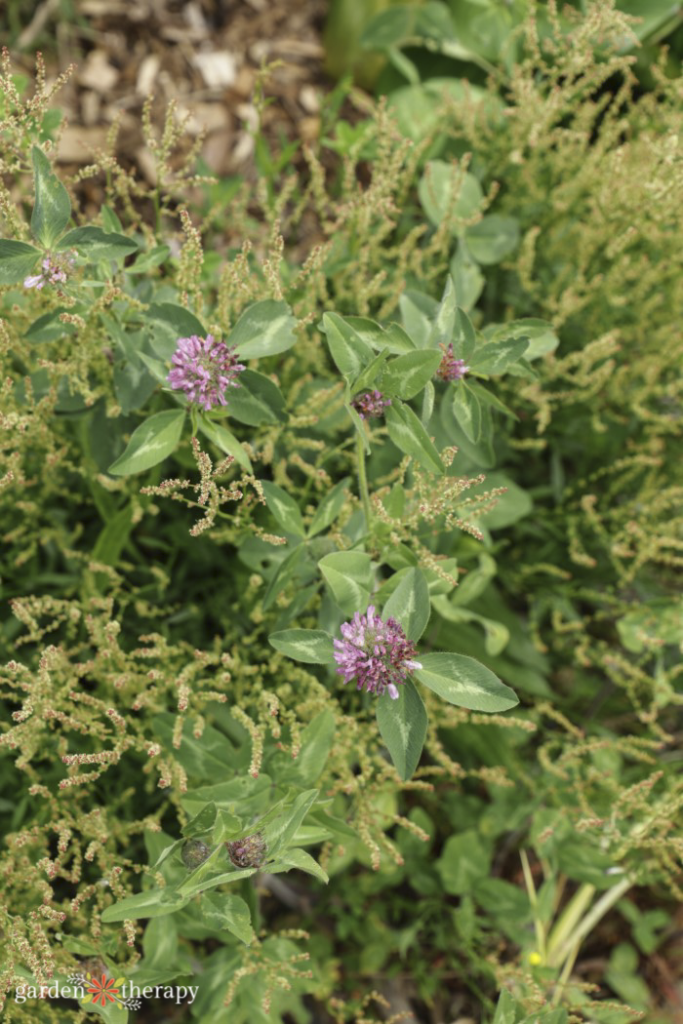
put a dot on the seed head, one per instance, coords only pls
(249, 852)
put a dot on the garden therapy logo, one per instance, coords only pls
(103, 991)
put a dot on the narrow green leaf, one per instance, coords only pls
(17, 260)
(408, 434)
(52, 207)
(391, 337)
(350, 353)
(330, 507)
(465, 682)
(443, 323)
(151, 443)
(281, 832)
(407, 375)
(311, 646)
(366, 379)
(409, 604)
(264, 329)
(283, 575)
(114, 537)
(284, 508)
(95, 244)
(403, 727)
(226, 441)
(488, 398)
(467, 411)
(153, 903)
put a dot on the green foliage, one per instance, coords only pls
(177, 576)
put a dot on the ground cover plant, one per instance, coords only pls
(340, 598)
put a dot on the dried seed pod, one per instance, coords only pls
(249, 852)
(194, 853)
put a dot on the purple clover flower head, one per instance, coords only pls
(370, 403)
(204, 369)
(378, 654)
(249, 852)
(450, 368)
(56, 269)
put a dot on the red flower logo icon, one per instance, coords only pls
(103, 990)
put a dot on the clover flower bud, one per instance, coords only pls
(194, 853)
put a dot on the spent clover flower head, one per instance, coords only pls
(204, 369)
(56, 269)
(370, 403)
(249, 852)
(449, 367)
(376, 653)
(194, 853)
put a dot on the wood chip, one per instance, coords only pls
(78, 145)
(98, 74)
(147, 73)
(218, 68)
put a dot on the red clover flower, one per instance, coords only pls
(450, 368)
(204, 369)
(376, 653)
(370, 403)
(55, 271)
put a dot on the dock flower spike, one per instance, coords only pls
(376, 653)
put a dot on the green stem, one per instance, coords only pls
(563, 932)
(363, 481)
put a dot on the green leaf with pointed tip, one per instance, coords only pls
(409, 604)
(312, 646)
(348, 574)
(52, 207)
(227, 913)
(17, 260)
(330, 507)
(153, 903)
(443, 323)
(176, 320)
(366, 379)
(407, 375)
(467, 411)
(257, 400)
(465, 682)
(284, 508)
(282, 831)
(495, 357)
(151, 443)
(295, 857)
(349, 352)
(226, 441)
(283, 575)
(408, 434)
(95, 244)
(488, 398)
(264, 329)
(154, 257)
(391, 337)
(403, 727)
